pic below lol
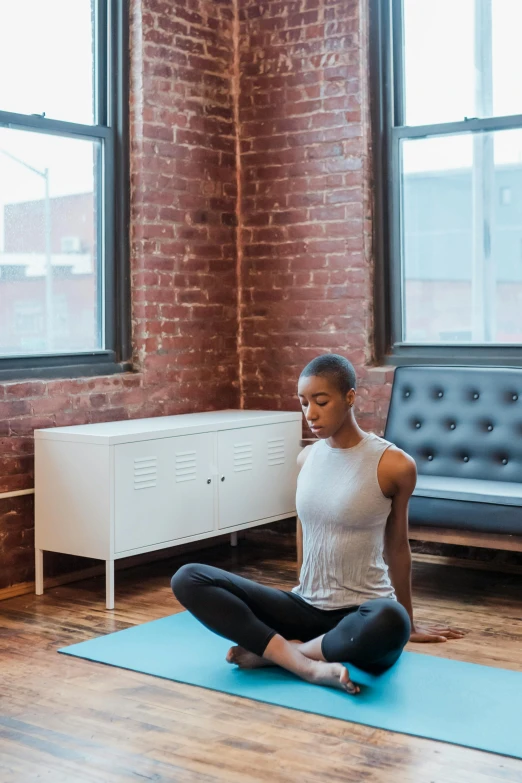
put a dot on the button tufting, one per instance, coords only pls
(430, 457)
(440, 394)
(466, 459)
(475, 395)
(452, 425)
(490, 427)
(417, 425)
(514, 397)
(406, 393)
(504, 461)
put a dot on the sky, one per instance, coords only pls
(439, 61)
(440, 78)
(46, 52)
(46, 49)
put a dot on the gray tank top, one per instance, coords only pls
(343, 514)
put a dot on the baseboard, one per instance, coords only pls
(23, 588)
(54, 581)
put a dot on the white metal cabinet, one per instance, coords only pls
(163, 490)
(257, 473)
(122, 488)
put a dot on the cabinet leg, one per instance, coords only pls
(233, 539)
(38, 571)
(109, 584)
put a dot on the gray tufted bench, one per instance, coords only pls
(463, 427)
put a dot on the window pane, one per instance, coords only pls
(46, 48)
(462, 238)
(50, 284)
(462, 58)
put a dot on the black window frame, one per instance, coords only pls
(387, 116)
(112, 128)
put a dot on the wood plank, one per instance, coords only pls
(70, 720)
(462, 562)
(442, 535)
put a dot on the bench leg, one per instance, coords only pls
(38, 572)
(233, 539)
(109, 584)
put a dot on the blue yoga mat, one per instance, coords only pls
(462, 703)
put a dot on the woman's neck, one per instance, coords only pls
(347, 436)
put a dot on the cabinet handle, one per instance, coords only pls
(222, 478)
(209, 481)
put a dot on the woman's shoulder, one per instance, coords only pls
(399, 467)
(376, 443)
(305, 453)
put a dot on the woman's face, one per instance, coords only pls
(325, 407)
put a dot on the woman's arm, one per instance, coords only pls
(301, 459)
(401, 469)
(396, 544)
(299, 540)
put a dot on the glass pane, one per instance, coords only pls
(462, 58)
(46, 48)
(50, 284)
(462, 238)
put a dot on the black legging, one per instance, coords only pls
(370, 636)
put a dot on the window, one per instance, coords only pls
(448, 165)
(63, 188)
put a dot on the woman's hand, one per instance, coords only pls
(433, 634)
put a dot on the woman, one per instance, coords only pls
(353, 601)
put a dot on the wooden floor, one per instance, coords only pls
(67, 720)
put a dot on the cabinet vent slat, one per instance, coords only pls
(144, 484)
(145, 472)
(243, 457)
(276, 451)
(186, 466)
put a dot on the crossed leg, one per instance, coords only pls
(263, 621)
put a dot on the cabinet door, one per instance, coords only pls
(258, 473)
(161, 490)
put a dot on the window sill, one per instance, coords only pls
(455, 355)
(20, 368)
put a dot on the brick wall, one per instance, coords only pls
(305, 213)
(287, 80)
(183, 191)
(184, 303)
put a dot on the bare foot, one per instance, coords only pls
(333, 675)
(246, 660)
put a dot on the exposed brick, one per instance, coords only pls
(24, 390)
(304, 298)
(13, 408)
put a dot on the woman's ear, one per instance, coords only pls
(350, 397)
